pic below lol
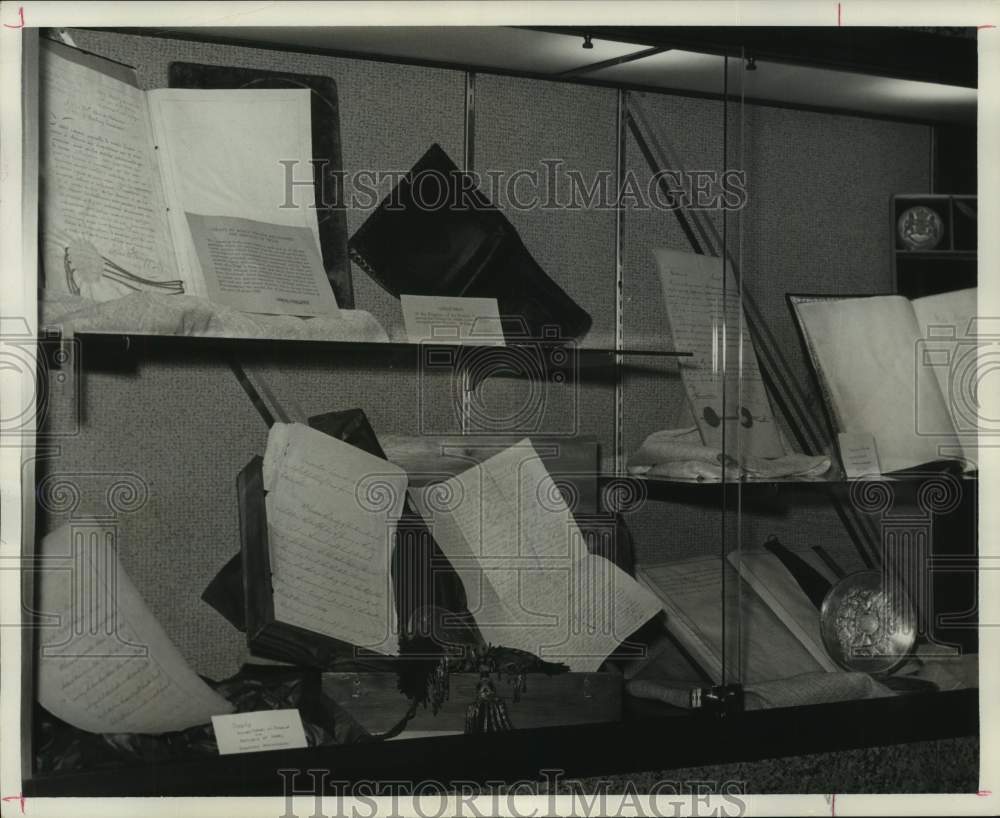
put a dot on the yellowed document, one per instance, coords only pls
(870, 357)
(101, 206)
(950, 341)
(259, 267)
(210, 169)
(765, 573)
(332, 511)
(530, 582)
(177, 191)
(722, 378)
(105, 664)
(707, 606)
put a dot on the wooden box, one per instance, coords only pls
(374, 700)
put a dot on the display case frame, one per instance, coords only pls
(696, 737)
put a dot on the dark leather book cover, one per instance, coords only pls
(436, 235)
(328, 163)
(266, 636)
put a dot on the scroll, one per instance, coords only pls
(105, 664)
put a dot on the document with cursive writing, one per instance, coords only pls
(332, 511)
(105, 663)
(530, 581)
(722, 378)
(177, 191)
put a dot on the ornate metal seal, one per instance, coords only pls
(920, 228)
(865, 625)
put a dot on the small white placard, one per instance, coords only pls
(450, 320)
(257, 731)
(860, 457)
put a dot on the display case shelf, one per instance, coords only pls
(111, 348)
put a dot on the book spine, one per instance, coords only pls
(685, 631)
(816, 650)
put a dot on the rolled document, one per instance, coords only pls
(806, 688)
(678, 454)
(105, 664)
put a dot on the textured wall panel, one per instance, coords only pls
(184, 432)
(519, 125)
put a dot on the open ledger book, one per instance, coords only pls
(768, 625)
(530, 582)
(901, 371)
(176, 190)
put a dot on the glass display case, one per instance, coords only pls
(637, 346)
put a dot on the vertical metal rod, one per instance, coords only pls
(620, 287)
(723, 345)
(30, 450)
(931, 186)
(468, 164)
(469, 131)
(739, 383)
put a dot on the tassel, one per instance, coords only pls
(440, 685)
(488, 714)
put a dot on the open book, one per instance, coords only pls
(769, 627)
(176, 190)
(901, 371)
(331, 514)
(324, 538)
